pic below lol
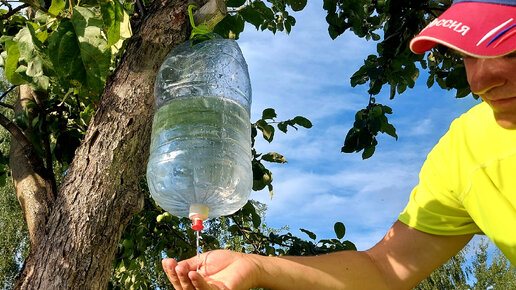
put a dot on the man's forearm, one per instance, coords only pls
(343, 270)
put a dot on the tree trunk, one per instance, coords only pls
(101, 190)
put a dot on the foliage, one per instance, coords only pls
(262, 177)
(275, 17)
(14, 237)
(469, 269)
(368, 122)
(500, 274)
(392, 24)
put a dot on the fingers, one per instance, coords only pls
(181, 274)
(199, 283)
(169, 266)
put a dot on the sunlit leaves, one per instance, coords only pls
(92, 45)
(116, 22)
(12, 55)
(33, 64)
(66, 55)
(56, 7)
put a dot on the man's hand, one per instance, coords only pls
(218, 269)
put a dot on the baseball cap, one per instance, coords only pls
(473, 27)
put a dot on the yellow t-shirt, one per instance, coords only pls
(468, 183)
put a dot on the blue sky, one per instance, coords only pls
(307, 73)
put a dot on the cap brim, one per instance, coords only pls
(473, 28)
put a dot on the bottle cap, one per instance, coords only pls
(198, 213)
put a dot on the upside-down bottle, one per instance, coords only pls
(200, 153)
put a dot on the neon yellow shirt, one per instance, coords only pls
(468, 183)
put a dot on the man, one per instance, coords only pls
(467, 184)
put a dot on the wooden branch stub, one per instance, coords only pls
(211, 13)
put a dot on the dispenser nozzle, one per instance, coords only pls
(197, 225)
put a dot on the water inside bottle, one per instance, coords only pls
(200, 153)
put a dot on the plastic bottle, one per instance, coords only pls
(200, 154)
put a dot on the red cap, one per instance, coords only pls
(477, 28)
(197, 225)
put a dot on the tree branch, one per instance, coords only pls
(245, 235)
(7, 92)
(7, 4)
(7, 105)
(13, 11)
(28, 150)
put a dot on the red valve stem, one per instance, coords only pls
(197, 225)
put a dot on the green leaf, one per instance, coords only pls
(267, 130)
(230, 27)
(112, 15)
(340, 230)
(36, 66)
(65, 54)
(56, 7)
(78, 51)
(368, 151)
(252, 16)
(297, 5)
(269, 113)
(274, 157)
(257, 220)
(283, 127)
(309, 233)
(303, 122)
(11, 63)
(389, 129)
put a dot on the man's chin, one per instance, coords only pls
(506, 122)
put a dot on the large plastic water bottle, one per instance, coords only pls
(200, 154)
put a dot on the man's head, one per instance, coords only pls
(484, 32)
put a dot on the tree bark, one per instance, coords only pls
(101, 190)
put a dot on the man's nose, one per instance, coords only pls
(484, 75)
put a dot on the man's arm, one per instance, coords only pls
(400, 260)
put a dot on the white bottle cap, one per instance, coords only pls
(199, 211)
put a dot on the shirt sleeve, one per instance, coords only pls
(434, 206)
